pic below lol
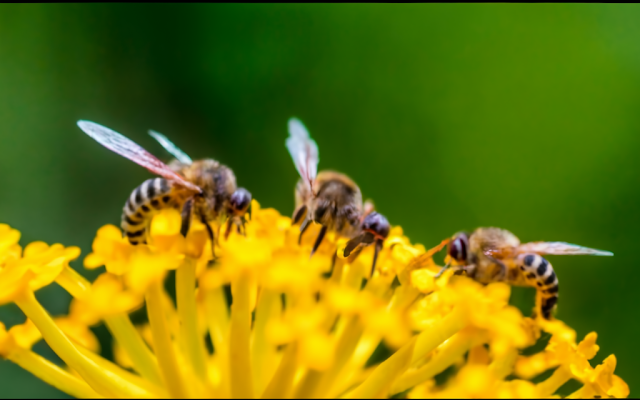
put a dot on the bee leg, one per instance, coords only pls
(353, 243)
(299, 213)
(442, 271)
(464, 271)
(502, 274)
(334, 259)
(364, 238)
(323, 230)
(211, 236)
(186, 217)
(303, 228)
(375, 255)
(227, 231)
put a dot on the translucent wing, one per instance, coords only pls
(303, 150)
(560, 248)
(171, 148)
(117, 143)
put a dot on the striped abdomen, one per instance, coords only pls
(152, 194)
(539, 273)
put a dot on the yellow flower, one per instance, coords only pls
(296, 326)
(107, 297)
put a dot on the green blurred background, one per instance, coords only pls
(448, 116)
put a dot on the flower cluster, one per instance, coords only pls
(263, 319)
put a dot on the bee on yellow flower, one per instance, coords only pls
(332, 200)
(496, 255)
(294, 326)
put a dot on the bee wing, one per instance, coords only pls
(501, 253)
(117, 143)
(560, 248)
(171, 148)
(303, 150)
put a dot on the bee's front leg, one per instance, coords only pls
(468, 270)
(501, 273)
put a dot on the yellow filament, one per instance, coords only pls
(105, 382)
(559, 377)
(128, 337)
(240, 329)
(107, 365)
(432, 337)
(52, 374)
(344, 350)
(282, 381)
(585, 392)
(163, 346)
(73, 282)
(402, 297)
(377, 384)
(353, 372)
(352, 276)
(263, 354)
(308, 384)
(503, 366)
(193, 343)
(447, 354)
(218, 323)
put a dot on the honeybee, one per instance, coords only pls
(496, 255)
(205, 188)
(331, 199)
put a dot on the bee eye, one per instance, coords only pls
(458, 248)
(377, 223)
(240, 199)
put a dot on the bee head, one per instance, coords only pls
(458, 249)
(240, 201)
(377, 224)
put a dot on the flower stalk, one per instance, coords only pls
(50, 373)
(143, 360)
(189, 332)
(105, 382)
(164, 348)
(240, 356)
